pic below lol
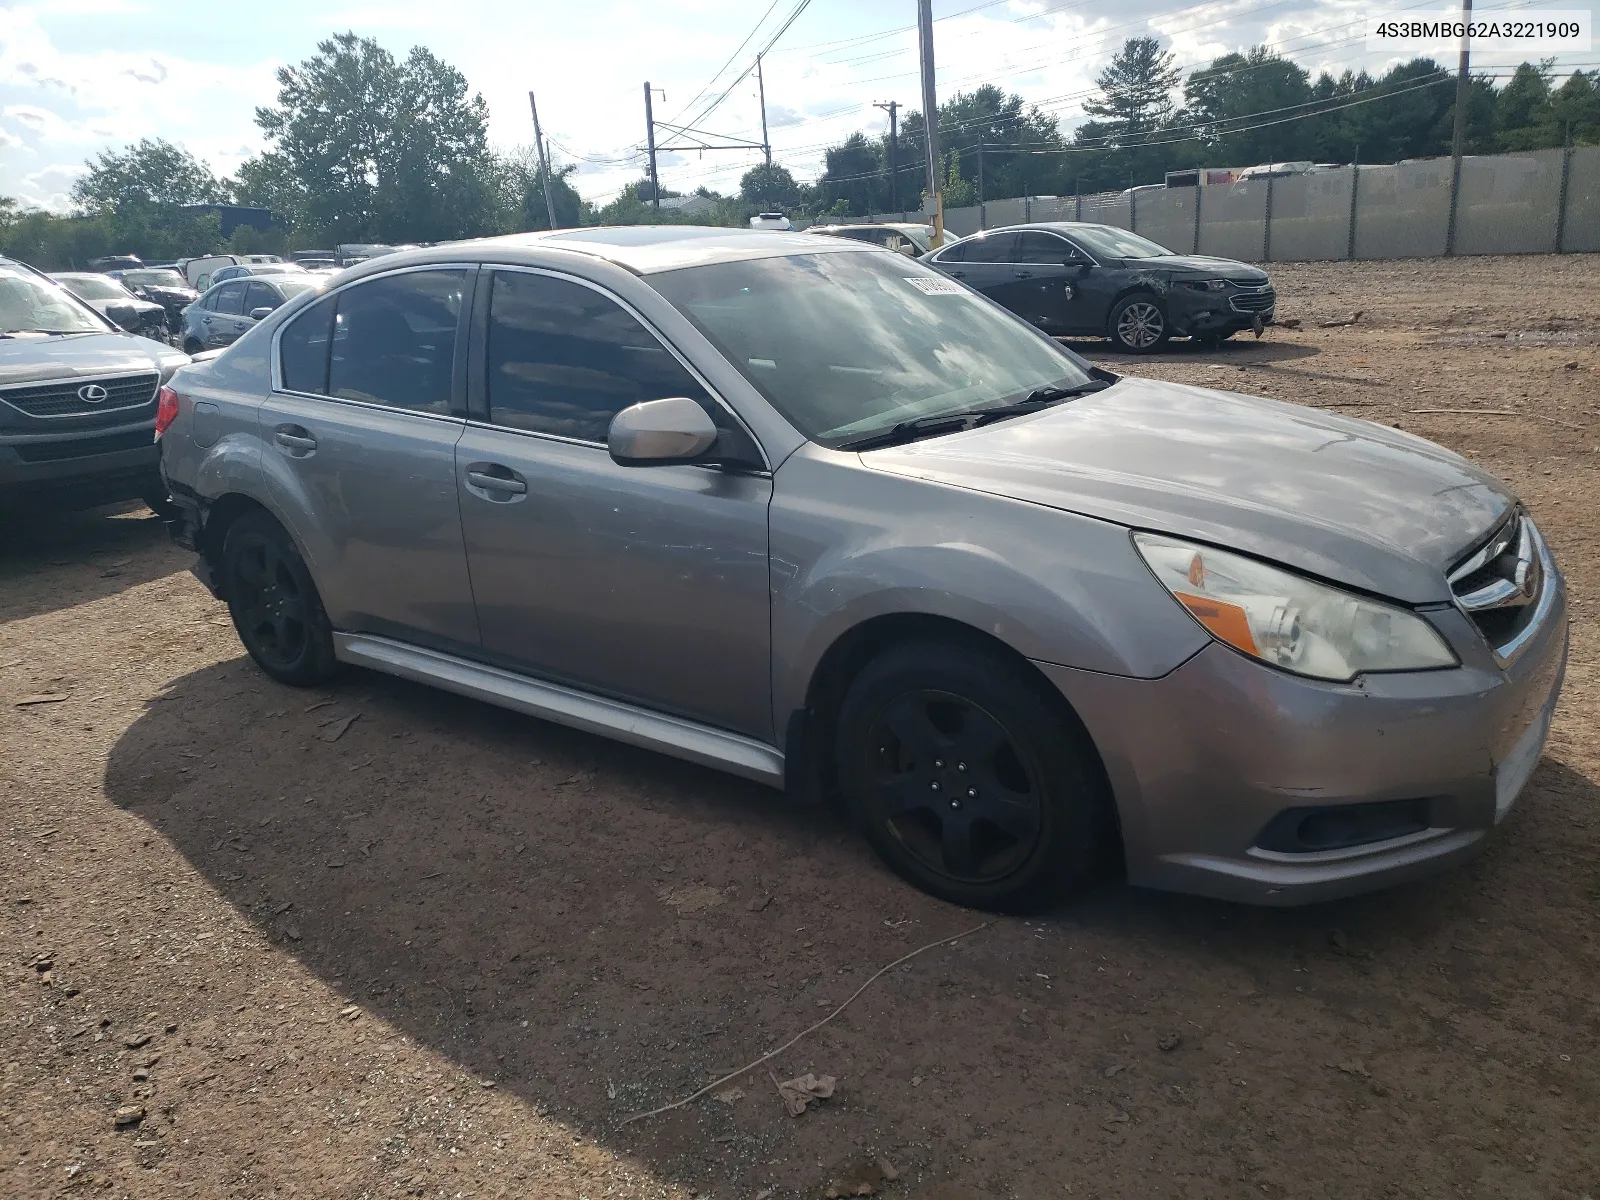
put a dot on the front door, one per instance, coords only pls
(1044, 280)
(648, 584)
(224, 319)
(360, 438)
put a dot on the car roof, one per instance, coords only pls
(642, 249)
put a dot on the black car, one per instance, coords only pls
(1071, 278)
(228, 309)
(78, 400)
(159, 285)
(115, 302)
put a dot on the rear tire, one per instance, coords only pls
(1138, 325)
(274, 603)
(969, 778)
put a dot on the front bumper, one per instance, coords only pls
(1201, 760)
(1216, 314)
(80, 468)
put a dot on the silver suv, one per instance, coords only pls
(808, 511)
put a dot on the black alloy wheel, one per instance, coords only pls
(949, 781)
(970, 776)
(274, 603)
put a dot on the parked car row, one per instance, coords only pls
(826, 517)
(1077, 279)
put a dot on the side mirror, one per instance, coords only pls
(908, 249)
(257, 313)
(660, 431)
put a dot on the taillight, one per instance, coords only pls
(166, 410)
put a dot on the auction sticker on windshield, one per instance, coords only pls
(932, 285)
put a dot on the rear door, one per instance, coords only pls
(980, 263)
(225, 321)
(360, 431)
(649, 584)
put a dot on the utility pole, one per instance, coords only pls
(1463, 88)
(930, 117)
(544, 164)
(761, 84)
(650, 137)
(893, 109)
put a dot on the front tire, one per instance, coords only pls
(969, 777)
(274, 603)
(1138, 325)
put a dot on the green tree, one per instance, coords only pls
(855, 175)
(153, 172)
(522, 187)
(769, 188)
(266, 181)
(1524, 117)
(381, 149)
(1135, 91)
(1575, 108)
(1224, 101)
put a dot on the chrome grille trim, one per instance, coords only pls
(1505, 585)
(59, 398)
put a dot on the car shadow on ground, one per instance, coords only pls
(55, 560)
(600, 929)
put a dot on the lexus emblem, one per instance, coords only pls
(92, 393)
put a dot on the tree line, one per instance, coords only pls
(363, 146)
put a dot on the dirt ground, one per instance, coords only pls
(380, 941)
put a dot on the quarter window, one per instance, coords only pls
(303, 348)
(394, 340)
(230, 299)
(564, 359)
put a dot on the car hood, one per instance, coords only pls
(1201, 265)
(1359, 504)
(28, 359)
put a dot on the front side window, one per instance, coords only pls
(230, 299)
(259, 295)
(1041, 249)
(993, 248)
(564, 359)
(846, 345)
(394, 340)
(29, 303)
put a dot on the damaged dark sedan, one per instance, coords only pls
(1075, 279)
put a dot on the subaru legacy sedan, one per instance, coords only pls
(808, 511)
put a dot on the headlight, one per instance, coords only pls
(1289, 621)
(1206, 285)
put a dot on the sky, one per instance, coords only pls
(81, 76)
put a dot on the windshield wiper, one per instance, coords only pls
(1041, 397)
(971, 418)
(56, 332)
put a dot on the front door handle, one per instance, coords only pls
(492, 477)
(1024, 274)
(959, 274)
(296, 439)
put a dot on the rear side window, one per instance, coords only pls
(230, 299)
(259, 295)
(956, 253)
(394, 340)
(564, 359)
(303, 348)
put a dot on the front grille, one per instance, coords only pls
(61, 399)
(1254, 300)
(111, 443)
(1499, 584)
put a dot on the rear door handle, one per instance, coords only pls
(493, 477)
(959, 274)
(296, 439)
(1024, 274)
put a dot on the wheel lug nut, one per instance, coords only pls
(938, 764)
(972, 793)
(955, 804)
(960, 766)
(934, 786)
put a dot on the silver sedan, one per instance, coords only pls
(808, 511)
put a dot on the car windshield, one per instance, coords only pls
(1107, 241)
(847, 345)
(164, 279)
(29, 303)
(94, 287)
(293, 287)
